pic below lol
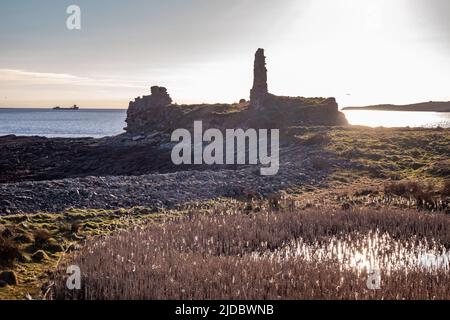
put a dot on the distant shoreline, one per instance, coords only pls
(50, 108)
(416, 107)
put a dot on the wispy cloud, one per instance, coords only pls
(18, 76)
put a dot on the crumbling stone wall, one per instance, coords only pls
(142, 110)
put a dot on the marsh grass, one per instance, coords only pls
(269, 254)
(424, 195)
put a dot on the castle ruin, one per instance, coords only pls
(156, 112)
(259, 92)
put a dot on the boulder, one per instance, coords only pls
(9, 277)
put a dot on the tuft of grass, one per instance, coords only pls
(319, 163)
(320, 138)
(41, 237)
(9, 251)
(446, 189)
(75, 227)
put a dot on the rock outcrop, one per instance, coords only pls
(259, 92)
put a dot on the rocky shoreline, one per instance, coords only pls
(40, 158)
(159, 190)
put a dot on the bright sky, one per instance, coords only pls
(361, 52)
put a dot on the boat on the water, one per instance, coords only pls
(74, 107)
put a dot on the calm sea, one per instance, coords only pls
(62, 123)
(106, 122)
(398, 118)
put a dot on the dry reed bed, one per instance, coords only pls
(286, 254)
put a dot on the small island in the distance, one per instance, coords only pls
(431, 106)
(74, 107)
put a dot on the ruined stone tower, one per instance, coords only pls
(142, 111)
(259, 92)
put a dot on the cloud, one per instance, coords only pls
(17, 77)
